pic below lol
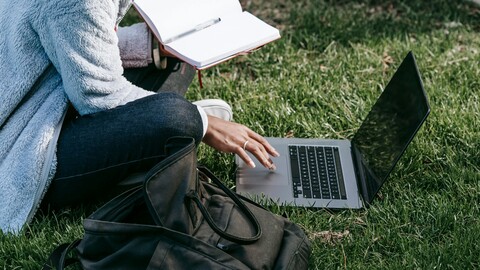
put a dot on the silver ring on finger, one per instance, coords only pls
(245, 145)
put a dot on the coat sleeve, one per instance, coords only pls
(79, 38)
(135, 44)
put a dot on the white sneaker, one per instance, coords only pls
(216, 107)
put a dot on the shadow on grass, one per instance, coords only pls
(319, 23)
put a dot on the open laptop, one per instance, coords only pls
(341, 173)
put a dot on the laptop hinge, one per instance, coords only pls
(360, 174)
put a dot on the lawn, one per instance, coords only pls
(320, 80)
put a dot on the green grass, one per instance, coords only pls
(320, 80)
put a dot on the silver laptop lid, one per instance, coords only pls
(389, 127)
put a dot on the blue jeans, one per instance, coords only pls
(97, 151)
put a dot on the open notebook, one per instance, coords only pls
(205, 32)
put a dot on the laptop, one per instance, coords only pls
(340, 174)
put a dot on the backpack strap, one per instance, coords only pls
(58, 258)
(246, 211)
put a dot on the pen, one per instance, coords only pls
(195, 29)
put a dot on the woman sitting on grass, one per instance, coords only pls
(73, 122)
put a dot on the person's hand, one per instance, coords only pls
(230, 137)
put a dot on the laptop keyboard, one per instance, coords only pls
(316, 172)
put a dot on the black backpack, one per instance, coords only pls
(183, 217)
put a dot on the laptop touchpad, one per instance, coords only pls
(263, 176)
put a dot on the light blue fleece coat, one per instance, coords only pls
(51, 52)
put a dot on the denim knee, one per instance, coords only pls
(172, 115)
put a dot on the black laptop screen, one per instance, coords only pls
(390, 126)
